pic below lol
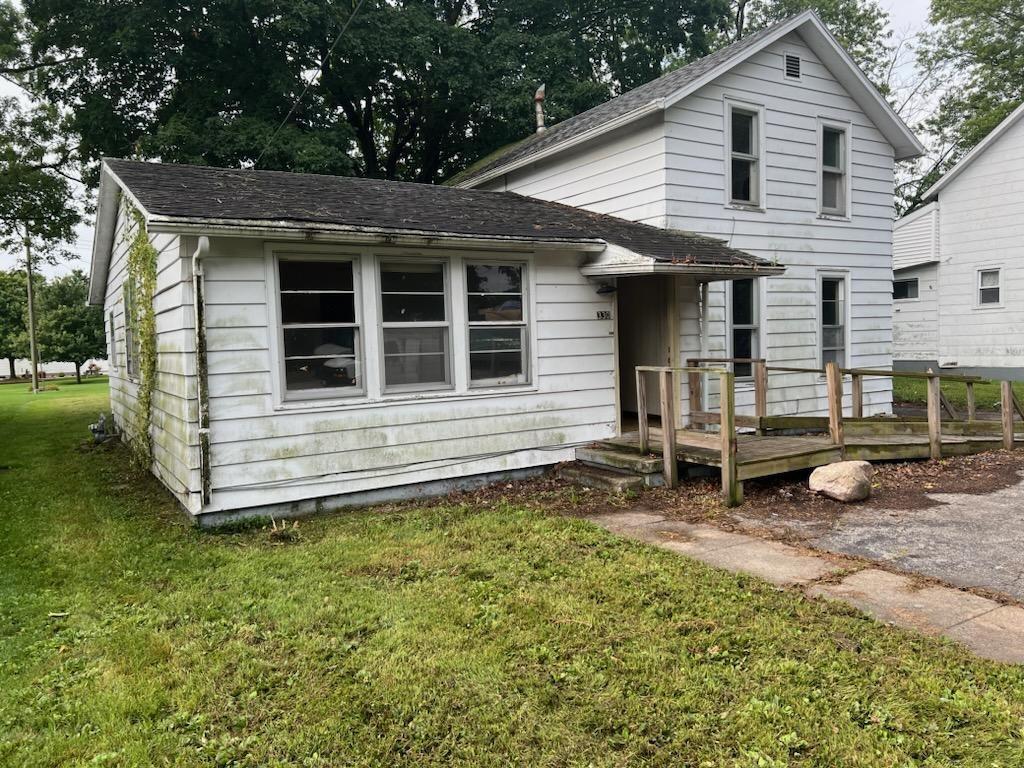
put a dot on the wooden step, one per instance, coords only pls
(596, 477)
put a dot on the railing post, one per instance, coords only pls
(934, 417)
(696, 396)
(641, 413)
(760, 371)
(970, 401)
(834, 384)
(858, 396)
(668, 428)
(1006, 392)
(732, 489)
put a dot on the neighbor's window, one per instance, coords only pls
(497, 324)
(904, 289)
(833, 320)
(132, 342)
(988, 286)
(744, 324)
(833, 171)
(320, 327)
(744, 162)
(414, 313)
(113, 341)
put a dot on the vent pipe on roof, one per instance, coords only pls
(538, 107)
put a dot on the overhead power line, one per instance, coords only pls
(316, 76)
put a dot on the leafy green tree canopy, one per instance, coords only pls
(415, 90)
(70, 330)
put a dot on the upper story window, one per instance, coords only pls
(497, 324)
(834, 170)
(745, 161)
(904, 289)
(414, 316)
(320, 329)
(833, 320)
(989, 287)
(744, 315)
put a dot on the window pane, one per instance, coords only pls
(830, 313)
(832, 337)
(315, 275)
(412, 308)
(990, 278)
(415, 356)
(742, 180)
(412, 278)
(831, 190)
(320, 373)
(496, 339)
(743, 346)
(742, 303)
(831, 148)
(319, 342)
(495, 365)
(989, 295)
(837, 356)
(904, 289)
(742, 133)
(495, 308)
(494, 278)
(318, 308)
(830, 290)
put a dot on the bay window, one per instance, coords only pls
(414, 318)
(497, 324)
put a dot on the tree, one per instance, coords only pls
(70, 329)
(13, 321)
(415, 90)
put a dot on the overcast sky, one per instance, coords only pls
(906, 16)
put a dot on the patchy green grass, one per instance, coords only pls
(436, 636)
(986, 396)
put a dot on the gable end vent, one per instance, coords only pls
(792, 66)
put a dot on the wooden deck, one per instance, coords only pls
(763, 455)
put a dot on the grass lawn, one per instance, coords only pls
(431, 636)
(986, 396)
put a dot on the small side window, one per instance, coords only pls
(904, 289)
(833, 321)
(834, 167)
(989, 288)
(745, 161)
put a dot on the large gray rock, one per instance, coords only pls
(843, 481)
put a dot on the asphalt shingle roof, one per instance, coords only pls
(629, 101)
(204, 193)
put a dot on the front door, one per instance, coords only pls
(644, 335)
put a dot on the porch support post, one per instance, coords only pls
(666, 378)
(732, 488)
(1006, 390)
(834, 385)
(760, 371)
(934, 417)
(641, 413)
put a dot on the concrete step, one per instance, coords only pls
(619, 458)
(595, 477)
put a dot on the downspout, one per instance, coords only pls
(202, 250)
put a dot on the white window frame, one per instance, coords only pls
(756, 327)
(447, 324)
(915, 280)
(844, 278)
(785, 74)
(759, 182)
(842, 212)
(524, 323)
(978, 303)
(278, 329)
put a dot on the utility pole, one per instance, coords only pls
(33, 353)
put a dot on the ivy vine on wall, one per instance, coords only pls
(142, 259)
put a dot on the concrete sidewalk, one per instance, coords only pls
(989, 629)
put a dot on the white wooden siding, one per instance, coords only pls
(915, 238)
(915, 322)
(981, 225)
(174, 419)
(263, 452)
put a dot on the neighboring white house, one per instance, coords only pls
(328, 340)
(958, 290)
(777, 144)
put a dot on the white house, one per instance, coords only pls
(959, 264)
(327, 341)
(777, 144)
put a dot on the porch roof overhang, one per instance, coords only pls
(615, 261)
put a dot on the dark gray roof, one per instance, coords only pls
(197, 192)
(630, 101)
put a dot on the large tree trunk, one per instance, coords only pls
(10, 362)
(78, 373)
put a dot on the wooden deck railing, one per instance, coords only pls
(834, 425)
